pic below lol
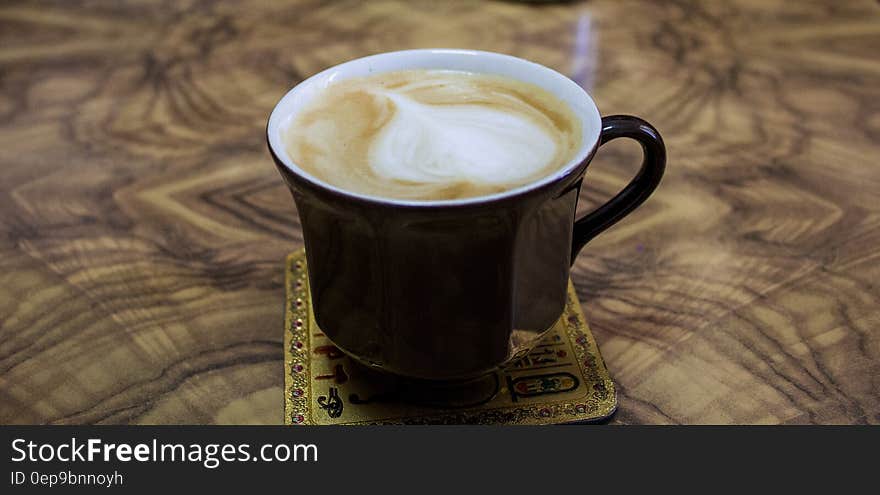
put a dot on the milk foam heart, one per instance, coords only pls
(426, 134)
(472, 143)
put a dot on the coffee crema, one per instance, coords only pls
(432, 134)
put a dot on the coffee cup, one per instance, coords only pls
(449, 289)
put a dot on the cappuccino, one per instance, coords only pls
(432, 134)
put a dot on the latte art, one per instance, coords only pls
(432, 135)
(428, 144)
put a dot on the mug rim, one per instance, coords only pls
(585, 109)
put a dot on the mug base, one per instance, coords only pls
(445, 394)
(519, 348)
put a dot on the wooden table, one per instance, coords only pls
(143, 226)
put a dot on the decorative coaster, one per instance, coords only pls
(562, 380)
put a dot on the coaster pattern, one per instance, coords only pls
(562, 380)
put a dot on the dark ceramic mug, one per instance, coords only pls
(451, 289)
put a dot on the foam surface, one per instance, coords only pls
(432, 134)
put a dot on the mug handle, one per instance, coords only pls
(637, 191)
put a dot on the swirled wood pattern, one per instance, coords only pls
(143, 227)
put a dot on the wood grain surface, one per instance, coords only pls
(143, 227)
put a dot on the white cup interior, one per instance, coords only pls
(447, 59)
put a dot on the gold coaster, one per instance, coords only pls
(562, 380)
